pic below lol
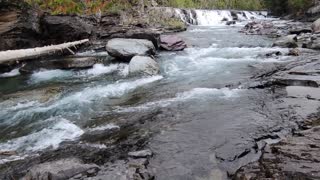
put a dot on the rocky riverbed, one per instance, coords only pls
(236, 96)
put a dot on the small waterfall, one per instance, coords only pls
(216, 17)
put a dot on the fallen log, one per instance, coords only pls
(25, 54)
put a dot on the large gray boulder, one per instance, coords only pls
(58, 170)
(289, 41)
(143, 65)
(125, 49)
(316, 26)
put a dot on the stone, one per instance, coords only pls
(294, 52)
(289, 41)
(62, 63)
(143, 65)
(230, 23)
(275, 53)
(301, 30)
(57, 170)
(141, 154)
(316, 26)
(125, 49)
(172, 43)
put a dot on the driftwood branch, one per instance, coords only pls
(24, 54)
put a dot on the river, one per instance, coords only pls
(202, 118)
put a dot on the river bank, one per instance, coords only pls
(213, 108)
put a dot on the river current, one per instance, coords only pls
(212, 116)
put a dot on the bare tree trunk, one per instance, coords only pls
(25, 54)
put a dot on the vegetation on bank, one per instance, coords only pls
(278, 7)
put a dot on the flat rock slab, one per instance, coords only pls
(61, 169)
(63, 63)
(294, 158)
(303, 92)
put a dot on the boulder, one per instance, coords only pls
(289, 41)
(125, 49)
(172, 43)
(140, 33)
(294, 52)
(316, 26)
(63, 63)
(143, 65)
(61, 169)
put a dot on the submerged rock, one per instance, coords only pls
(143, 65)
(289, 41)
(172, 43)
(230, 23)
(63, 63)
(125, 49)
(61, 169)
(272, 54)
(141, 154)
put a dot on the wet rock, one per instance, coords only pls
(294, 158)
(133, 169)
(316, 26)
(139, 33)
(313, 43)
(172, 43)
(272, 54)
(62, 63)
(259, 28)
(143, 65)
(41, 95)
(289, 41)
(61, 169)
(294, 52)
(300, 30)
(125, 49)
(141, 154)
(303, 92)
(60, 29)
(230, 23)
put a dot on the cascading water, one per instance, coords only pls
(216, 17)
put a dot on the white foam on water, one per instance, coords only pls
(99, 69)
(79, 101)
(12, 73)
(212, 17)
(62, 130)
(47, 75)
(92, 53)
(105, 127)
(196, 93)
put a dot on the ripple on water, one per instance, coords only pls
(51, 136)
(196, 93)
